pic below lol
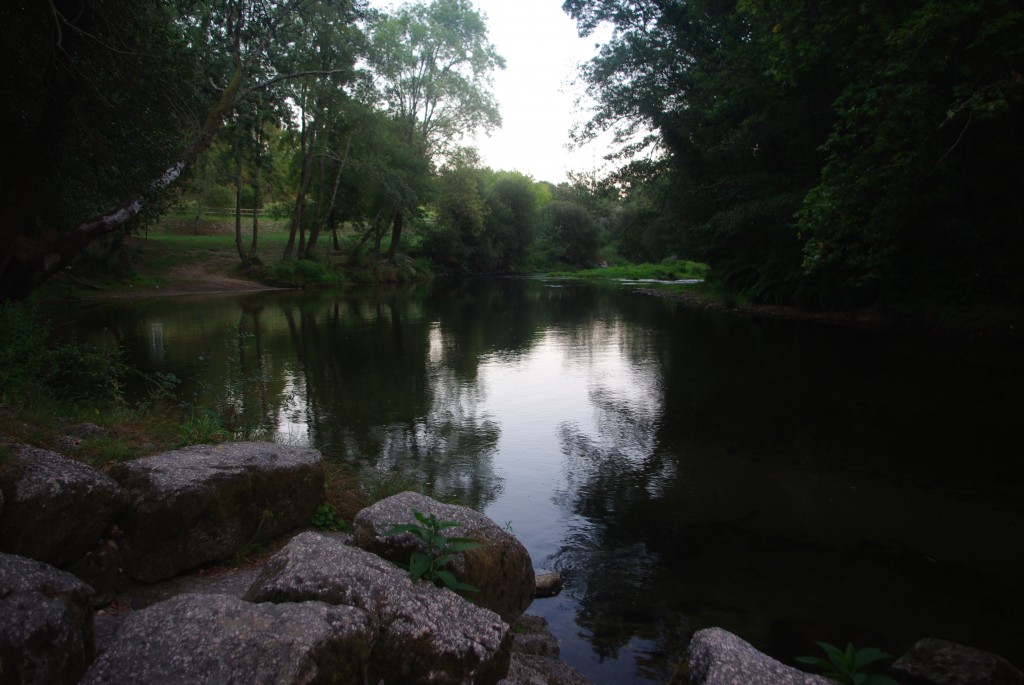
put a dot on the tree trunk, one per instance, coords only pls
(242, 255)
(298, 227)
(396, 235)
(256, 201)
(33, 256)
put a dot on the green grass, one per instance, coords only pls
(668, 270)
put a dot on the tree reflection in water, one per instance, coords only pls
(681, 468)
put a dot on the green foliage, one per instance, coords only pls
(105, 449)
(569, 234)
(846, 665)
(33, 369)
(201, 426)
(920, 193)
(327, 517)
(441, 551)
(898, 176)
(668, 270)
(23, 361)
(486, 221)
(304, 273)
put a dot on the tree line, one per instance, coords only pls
(350, 120)
(833, 154)
(823, 154)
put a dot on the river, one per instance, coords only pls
(788, 481)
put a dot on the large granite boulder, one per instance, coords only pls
(501, 567)
(46, 630)
(717, 657)
(55, 509)
(426, 634)
(207, 502)
(219, 639)
(937, 662)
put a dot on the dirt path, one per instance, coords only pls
(194, 273)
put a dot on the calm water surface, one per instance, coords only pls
(681, 469)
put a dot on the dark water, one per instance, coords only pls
(787, 481)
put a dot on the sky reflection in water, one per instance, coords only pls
(681, 469)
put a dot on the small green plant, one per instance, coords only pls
(201, 426)
(441, 551)
(326, 517)
(845, 665)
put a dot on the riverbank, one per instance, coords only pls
(174, 259)
(1000, 324)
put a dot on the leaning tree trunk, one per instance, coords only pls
(34, 256)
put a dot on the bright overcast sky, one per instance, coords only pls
(535, 93)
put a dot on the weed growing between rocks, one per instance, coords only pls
(441, 551)
(845, 665)
(327, 518)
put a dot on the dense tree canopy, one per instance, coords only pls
(829, 153)
(107, 102)
(432, 65)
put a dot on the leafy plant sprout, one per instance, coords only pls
(326, 517)
(845, 665)
(441, 551)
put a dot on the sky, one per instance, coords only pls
(535, 93)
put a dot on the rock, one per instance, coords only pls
(535, 657)
(937, 662)
(533, 637)
(46, 630)
(219, 639)
(548, 584)
(426, 634)
(56, 509)
(208, 502)
(501, 567)
(75, 434)
(717, 657)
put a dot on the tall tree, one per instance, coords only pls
(106, 102)
(921, 195)
(829, 153)
(433, 65)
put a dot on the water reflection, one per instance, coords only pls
(682, 469)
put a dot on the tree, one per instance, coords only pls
(830, 154)
(461, 212)
(733, 151)
(106, 102)
(74, 126)
(325, 43)
(432, 65)
(570, 234)
(921, 195)
(510, 223)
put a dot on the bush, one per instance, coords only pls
(32, 369)
(304, 272)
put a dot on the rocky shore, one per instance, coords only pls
(104, 578)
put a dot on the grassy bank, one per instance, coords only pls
(181, 255)
(668, 270)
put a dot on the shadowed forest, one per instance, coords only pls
(825, 155)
